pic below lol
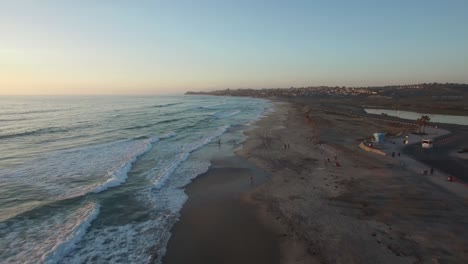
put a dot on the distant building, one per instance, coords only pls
(379, 137)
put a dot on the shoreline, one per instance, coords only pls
(327, 201)
(219, 223)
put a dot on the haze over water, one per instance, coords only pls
(101, 178)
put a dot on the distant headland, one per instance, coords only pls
(437, 91)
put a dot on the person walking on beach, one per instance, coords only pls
(432, 170)
(251, 180)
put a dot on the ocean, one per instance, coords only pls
(101, 179)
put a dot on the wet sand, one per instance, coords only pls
(218, 224)
(326, 200)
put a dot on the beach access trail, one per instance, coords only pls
(335, 203)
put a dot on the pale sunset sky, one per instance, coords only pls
(165, 47)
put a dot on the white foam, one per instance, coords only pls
(266, 109)
(48, 238)
(139, 242)
(102, 166)
(167, 167)
(68, 243)
(173, 197)
(76, 172)
(131, 243)
(119, 174)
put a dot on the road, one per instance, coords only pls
(441, 156)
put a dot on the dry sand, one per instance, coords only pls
(324, 201)
(369, 209)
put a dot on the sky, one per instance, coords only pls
(168, 47)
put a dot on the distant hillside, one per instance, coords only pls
(438, 91)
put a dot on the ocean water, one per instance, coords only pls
(101, 179)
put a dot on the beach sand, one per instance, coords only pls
(218, 223)
(324, 200)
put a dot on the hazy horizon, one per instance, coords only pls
(154, 47)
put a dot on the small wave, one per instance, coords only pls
(12, 119)
(214, 106)
(105, 166)
(138, 127)
(42, 131)
(170, 120)
(47, 238)
(267, 109)
(119, 175)
(141, 137)
(173, 197)
(134, 242)
(166, 105)
(139, 242)
(194, 109)
(167, 121)
(35, 132)
(32, 112)
(69, 242)
(225, 114)
(166, 170)
(168, 135)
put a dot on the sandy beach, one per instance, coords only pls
(219, 223)
(323, 200)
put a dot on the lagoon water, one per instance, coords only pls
(101, 179)
(445, 119)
